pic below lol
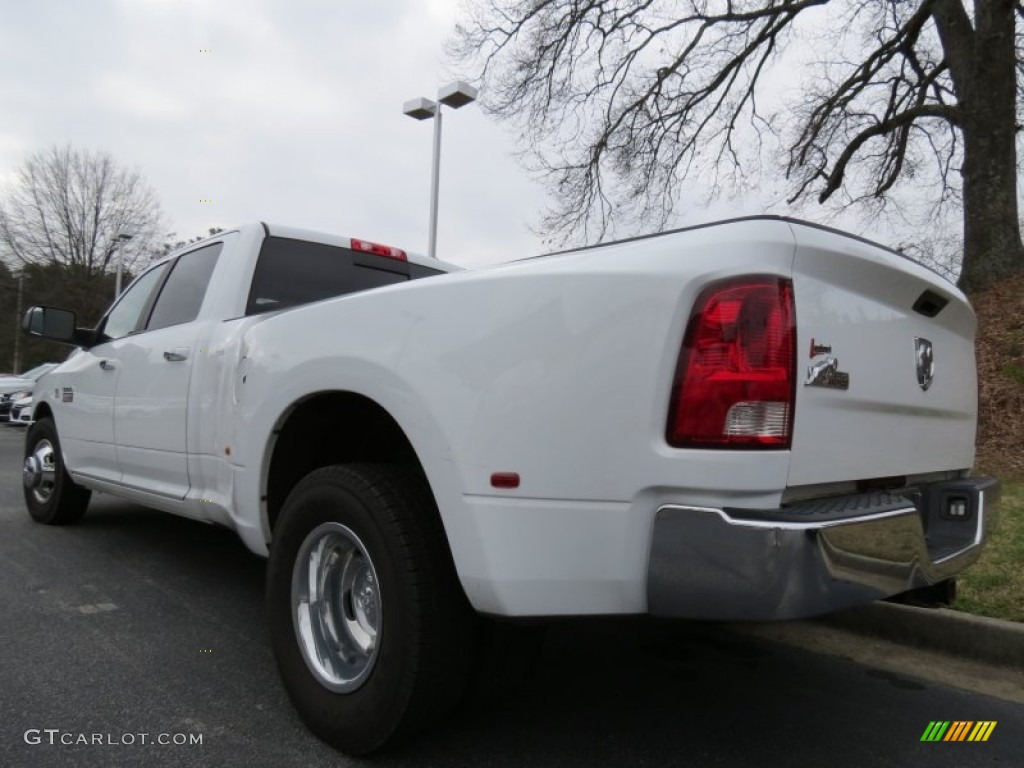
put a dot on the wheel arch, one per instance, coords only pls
(333, 427)
(42, 411)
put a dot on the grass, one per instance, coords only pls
(1014, 371)
(994, 586)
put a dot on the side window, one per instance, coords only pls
(292, 272)
(124, 317)
(182, 295)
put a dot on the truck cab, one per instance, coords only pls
(138, 404)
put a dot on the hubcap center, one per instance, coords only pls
(30, 473)
(336, 607)
(39, 471)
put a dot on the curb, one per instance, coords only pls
(939, 629)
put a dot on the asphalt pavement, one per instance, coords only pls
(135, 622)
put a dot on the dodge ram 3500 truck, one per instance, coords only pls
(756, 419)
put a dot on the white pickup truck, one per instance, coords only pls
(756, 419)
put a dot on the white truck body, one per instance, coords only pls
(558, 369)
(757, 419)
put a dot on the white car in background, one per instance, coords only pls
(14, 388)
(25, 380)
(21, 412)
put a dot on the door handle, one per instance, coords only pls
(108, 365)
(177, 355)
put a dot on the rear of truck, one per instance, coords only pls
(860, 367)
(757, 419)
(751, 420)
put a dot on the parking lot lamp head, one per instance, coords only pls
(119, 240)
(454, 95)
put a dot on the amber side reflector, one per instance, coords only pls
(505, 479)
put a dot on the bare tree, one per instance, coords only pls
(621, 102)
(66, 207)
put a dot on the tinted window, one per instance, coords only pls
(182, 294)
(124, 317)
(291, 272)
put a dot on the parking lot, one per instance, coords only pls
(135, 622)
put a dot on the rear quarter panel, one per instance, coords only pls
(559, 369)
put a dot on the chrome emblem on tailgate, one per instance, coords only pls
(825, 373)
(925, 362)
(824, 369)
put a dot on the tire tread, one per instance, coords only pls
(69, 500)
(443, 622)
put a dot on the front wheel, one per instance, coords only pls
(51, 496)
(372, 634)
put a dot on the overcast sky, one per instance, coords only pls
(293, 117)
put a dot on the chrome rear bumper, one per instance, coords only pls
(814, 557)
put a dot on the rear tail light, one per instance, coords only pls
(734, 385)
(378, 250)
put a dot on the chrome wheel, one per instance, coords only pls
(336, 607)
(371, 632)
(39, 471)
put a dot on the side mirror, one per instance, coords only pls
(51, 323)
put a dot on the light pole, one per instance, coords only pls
(119, 240)
(454, 95)
(17, 322)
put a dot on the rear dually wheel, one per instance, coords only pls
(370, 629)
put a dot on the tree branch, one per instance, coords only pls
(835, 179)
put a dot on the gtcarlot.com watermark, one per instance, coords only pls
(56, 737)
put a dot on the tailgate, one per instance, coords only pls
(883, 389)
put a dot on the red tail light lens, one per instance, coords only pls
(734, 386)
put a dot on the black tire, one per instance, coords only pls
(427, 629)
(54, 499)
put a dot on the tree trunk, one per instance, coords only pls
(992, 242)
